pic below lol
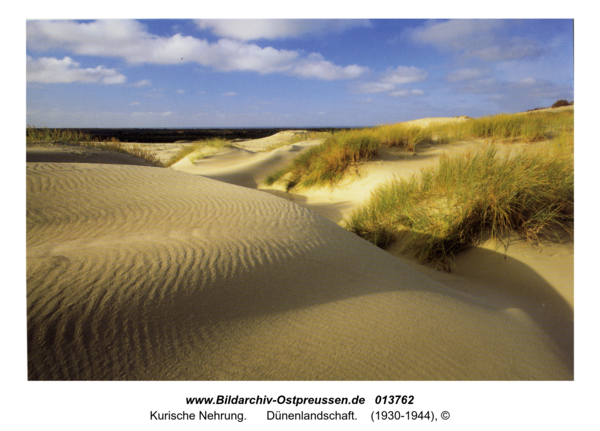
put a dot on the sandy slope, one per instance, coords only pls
(148, 273)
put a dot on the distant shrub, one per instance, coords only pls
(559, 103)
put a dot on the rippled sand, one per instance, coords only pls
(146, 273)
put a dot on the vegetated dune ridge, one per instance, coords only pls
(146, 273)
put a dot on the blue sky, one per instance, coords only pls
(290, 73)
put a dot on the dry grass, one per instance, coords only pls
(471, 197)
(328, 163)
(197, 150)
(535, 126)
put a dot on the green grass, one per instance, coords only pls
(329, 162)
(299, 137)
(76, 137)
(399, 135)
(471, 197)
(508, 128)
(194, 150)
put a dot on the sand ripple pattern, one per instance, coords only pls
(140, 273)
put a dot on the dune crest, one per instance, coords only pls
(144, 273)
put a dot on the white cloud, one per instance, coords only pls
(129, 40)
(468, 74)
(406, 93)
(404, 75)
(457, 34)
(134, 103)
(315, 66)
(230, 93)
(375, 87)
(515, 48)
(52, 70)
(391, 78)
(252, 29)
(180, 91)
(483, 39)
(143, 83)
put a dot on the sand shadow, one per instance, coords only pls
(497, 281)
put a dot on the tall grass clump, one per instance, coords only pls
(468, 198)
(328, 162)
(400, 135)
(197, 150)
(530, 127)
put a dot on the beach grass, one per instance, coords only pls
(470, 197)
(197, 150)
(77, 137)
(299, 137)
(329, 162)
(534, 126)
(400, 135)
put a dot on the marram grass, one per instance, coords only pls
(329, 162)
(470, 197)
(508, 128)
(193, 151)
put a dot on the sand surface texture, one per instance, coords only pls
(138, 272)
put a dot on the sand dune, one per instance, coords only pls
(148, 273)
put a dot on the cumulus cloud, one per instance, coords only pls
(483, 39)
(129, 40)
(253, 29)
(52, 70)
(404, 75)
(315, 66)
(388, 81)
